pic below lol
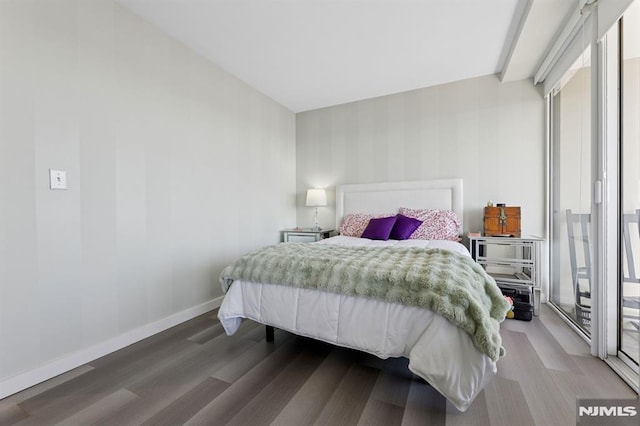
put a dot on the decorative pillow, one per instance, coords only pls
(379, 228)
(353, 224)
(436, 224)
(404, 227)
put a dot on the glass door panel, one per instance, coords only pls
(630, 186)
(571, 248)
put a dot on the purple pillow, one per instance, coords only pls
(379, 228)
(404, 227)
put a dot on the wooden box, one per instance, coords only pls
(502, 221)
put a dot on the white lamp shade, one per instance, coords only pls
(316, 197)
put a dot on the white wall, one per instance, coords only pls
(488, 133)
(174, 169)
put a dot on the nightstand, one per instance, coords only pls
(513, 262)
(305, 235)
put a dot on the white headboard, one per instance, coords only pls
(445, 194)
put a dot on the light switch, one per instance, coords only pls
(57, 179)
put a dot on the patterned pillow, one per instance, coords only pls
(436, 224)
(354, 224)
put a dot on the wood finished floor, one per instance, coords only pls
(195, 374)
(630, 334)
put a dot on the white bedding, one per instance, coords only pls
(438, 351)
(364, 242)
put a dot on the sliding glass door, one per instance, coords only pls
(594, 241)
(629, 276)
(571, 159)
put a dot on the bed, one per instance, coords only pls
(443, 354)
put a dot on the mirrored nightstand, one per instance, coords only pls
(305, 235)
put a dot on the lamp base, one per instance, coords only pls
(315, 226)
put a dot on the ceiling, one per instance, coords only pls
(309, 54)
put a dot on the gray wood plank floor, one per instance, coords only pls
(195, 374)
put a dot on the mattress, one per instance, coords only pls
(438, 351)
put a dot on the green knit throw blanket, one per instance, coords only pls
(449, 284)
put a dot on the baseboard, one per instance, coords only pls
(54, 368)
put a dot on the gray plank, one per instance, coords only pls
(174, 336)
(180, 375)
(425, 406)
(549, 350)
(207, 334)
(224, 407)
(185, 407)
(64, 400)
(522, 364)
(348, 401)
(594, 381)
(10, 414)
(476, 415)
(381, 413)
(266, 405)
(104, 408)
(393, 382)
(506, 402)
(232, 371)
(305, 406)
(115, 371)
(570, 341)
